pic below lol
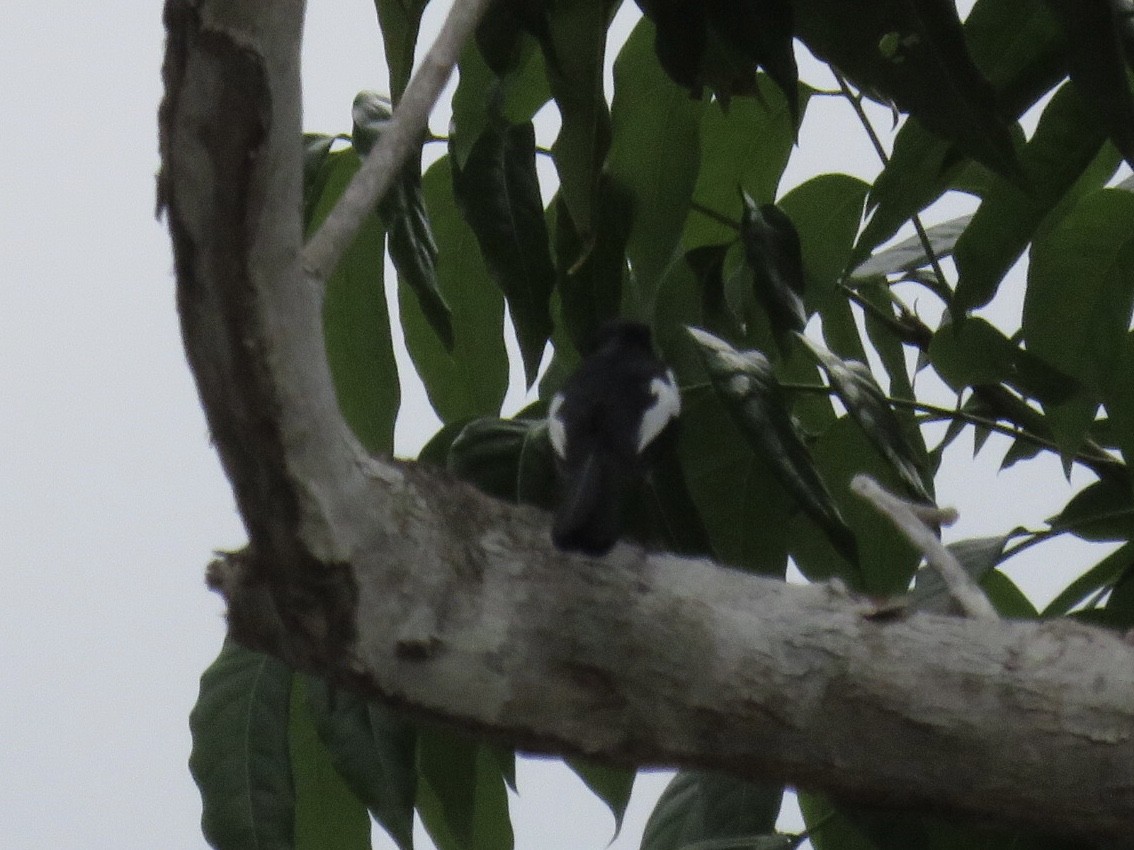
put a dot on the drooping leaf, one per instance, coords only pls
(240, 758)
(773, 252)
(1058, 162)
(400, 21)
(910, 254)
(498, 192)
(1101, 511)
(510, 459)
(470, 381)
(462, 795)
(499, 33)
(356, 324)
(374, 750)
(327, 812)
(913, 53)
(867, 404)
(655, 154)
(612, 785)
(699, 808)
(1103, 574)
(1098, 65)
(1078, 305)
(747, 385)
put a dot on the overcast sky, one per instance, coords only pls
(113, 500)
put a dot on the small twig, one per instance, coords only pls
(719, 218)
(404, 133)
(911, 520)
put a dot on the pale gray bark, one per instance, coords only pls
(421, 591)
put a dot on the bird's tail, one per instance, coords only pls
(589, 518)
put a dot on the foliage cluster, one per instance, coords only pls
(670, 208)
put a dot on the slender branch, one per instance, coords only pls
(709, 212)
(914, 525)
(407, 127)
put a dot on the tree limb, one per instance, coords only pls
(418, 590)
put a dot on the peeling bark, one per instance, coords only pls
(420, 591)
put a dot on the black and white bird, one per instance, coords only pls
(602, 426)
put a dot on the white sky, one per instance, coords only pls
(113, 500)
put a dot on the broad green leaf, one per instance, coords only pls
(746, 146)
(978, 556)
(356, 324)
(699, 808)
(410, 234)
(1058, 163)
(500, 33)
(910, 255)
(1119, 395)
(472, 380)
(1119, 608)
(462, 795)
(1101, 511)
(400, 21)
(916, 56)
(1103, 574)
(747, 385)
(772, 249)
(1078, 305)
(498, 193)
(327, 812)
(240, 758)
(868, 406)
(510, 459)
(578, 31)
(1008, 600)
(316, 153)
(1019, 47)
(654, 153)
(828, 828)
(612, 785)
(1098, 66)
(374, 750)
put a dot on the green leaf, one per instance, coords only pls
(1097, 65)
(240, 758)
(910, 255)
(747, 385)
(327, 812)
(928, 72)
(1058, 163)
(473, 379)
(868, 406)
(316, 152)
(373, 748)
(1008, 600)
(1101, 511)
(1103, 574)
(655, 154)
(578, 31)
(1078, 305)
(356, 324)
(772, 249)
(462, 796)
(747, 145)
(510, 459)
(498, 193)
(699, 808)
(978, 556)
(612, 785)
(1119, 395)
(400, 21)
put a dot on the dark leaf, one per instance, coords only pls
(400, 21)
(612, 785)
(699, 808)
(240, 758)
(655, 154)
(1098, 65)
(498, 192)
(316, 153)
(470, 381)
(510, 459)
(1103, 574)
(356, 324)
(747, 385)
(868, 405)
(772, 248)
(1101, 511)
(374, 750)
(1008, 600)
(327, 812)
(1058, 162)
(462, 795)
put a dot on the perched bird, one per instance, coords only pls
(602, 425)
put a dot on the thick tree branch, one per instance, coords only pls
(421, 591)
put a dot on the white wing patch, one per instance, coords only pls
(556, 427)
(666, 407)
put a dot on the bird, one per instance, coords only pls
(603, 425)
